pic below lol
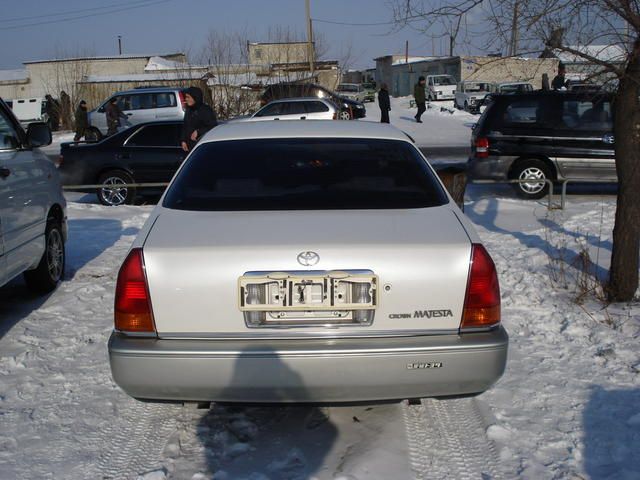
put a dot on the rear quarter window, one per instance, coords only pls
(305, 174)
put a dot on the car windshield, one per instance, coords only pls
(444, 80)
(304, 174)
(347, 88)
(477, 87)
(516, 88)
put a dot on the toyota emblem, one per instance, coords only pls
(308, 259)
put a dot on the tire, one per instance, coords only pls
(536, 170)
(344, 115)
(93, 135)
(50, 271)
(113, 197)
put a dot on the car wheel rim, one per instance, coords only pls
(55, 254)
(345, 116)
(532, 173)
(113, 192)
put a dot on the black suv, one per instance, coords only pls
(349, 109)
(544, 135)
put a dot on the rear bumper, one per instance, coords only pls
(491, 168)
(317, 370)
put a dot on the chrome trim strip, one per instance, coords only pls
(334, 334)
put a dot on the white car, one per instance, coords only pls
(440, 87)
(470, 94)
(352, 91)
(33, 221)
(304, 108)
(308, 261)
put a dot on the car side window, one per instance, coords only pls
(523, 112)
(587, 114)
(316, 107)
(124, 102)
(9, 139)
(165, 100)
(155, 136)
(271, 110)
(141, 101)
(296, 108)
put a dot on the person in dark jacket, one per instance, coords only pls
(65, 110)
(52, 109)
(559, 81)
(198, 119)
(82, 121)
(421, 98)
(114, 114)
(385, 103)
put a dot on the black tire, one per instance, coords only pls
(345, 115)
(111, 195)
(50, 271)
(538, 171)
(93, 135)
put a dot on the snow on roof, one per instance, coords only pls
(606, 53)
(126, 56)
(144, 77)
(412, 59)
(19, 75)
(161, 63)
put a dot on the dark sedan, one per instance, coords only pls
(145, 153)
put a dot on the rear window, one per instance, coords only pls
(304, 174)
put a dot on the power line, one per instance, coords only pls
(71, 12)
(354, 24)
(148, 3)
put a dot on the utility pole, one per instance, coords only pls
(120, 44)
(310, 50)
(513, 44)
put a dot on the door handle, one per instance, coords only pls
(276, 118)
(609, 139)
(122, 156)
(4, 172)
(303, 118)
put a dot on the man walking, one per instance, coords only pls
(420, 96)
(385, 103)
(82, 121)
(198, 119)
(114, 114)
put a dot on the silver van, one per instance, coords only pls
(140, 105)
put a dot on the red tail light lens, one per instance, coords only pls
(183, 101)
(482, 301)
(482, 147)
(133, 311)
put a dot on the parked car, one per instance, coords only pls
(29, 110)
(470, 94)
(544, 135)
(33, 219)
(304, 108)
(508, 88)
(370, 91)
(147, 153)
(440, 87)
(352, 91)
(269, 273)
(349, 109)
(140, 105)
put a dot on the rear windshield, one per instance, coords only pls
(304, 174)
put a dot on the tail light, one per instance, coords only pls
(482, 147)
(482, 300)
(183, 101)
(133, 311)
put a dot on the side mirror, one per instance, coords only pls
(38, 135)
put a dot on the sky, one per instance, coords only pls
(42, 29)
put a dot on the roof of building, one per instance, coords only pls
(304, 129)
(605, 53)
(127, 56)
(18, 75)
(145, 77)
(412, 59)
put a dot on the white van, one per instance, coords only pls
(440, 87)
(29, 110)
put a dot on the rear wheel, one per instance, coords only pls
(50, 270)
(113, 191)
(537, 172)
(93, 135)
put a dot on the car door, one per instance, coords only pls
(294, 111)
(141, 108)
(165, 106)
(317, 110)
(584, 138)
(272, 111)
(153, 152)
(23, 201)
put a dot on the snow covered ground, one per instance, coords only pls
(568, 406)
(443, 125)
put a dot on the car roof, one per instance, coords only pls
(149, 90)
(300, 99)
(304, 129)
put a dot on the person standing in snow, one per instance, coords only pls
(82, 121)
(52, 109)
(421, 98)
(559, 81)
(385, 103)
(114, 114)
(198, 119)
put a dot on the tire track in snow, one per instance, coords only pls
(136, 441)
(447, 440)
